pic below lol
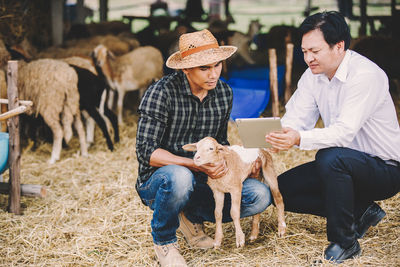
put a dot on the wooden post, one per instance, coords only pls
(57, 7)
(273, 81)
(288, 71)
(14, 157)
(103, 10)
(224, 65)
(363, 18)
(3, 94)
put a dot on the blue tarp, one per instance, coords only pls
(251, 90)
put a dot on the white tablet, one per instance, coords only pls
(252, 131)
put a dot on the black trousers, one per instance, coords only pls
(339, 184)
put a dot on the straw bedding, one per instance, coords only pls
(92, 216)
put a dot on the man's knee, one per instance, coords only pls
(256, 197)
(181, 179)
(332, 157)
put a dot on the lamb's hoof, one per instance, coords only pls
(254, 234)
(253, 237)
(217, 245)
(240, 240)
(281, 229)
(52, 160)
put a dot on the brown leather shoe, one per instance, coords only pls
(194, 234)
(168, 255)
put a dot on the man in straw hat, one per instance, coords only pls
(182, 108)
(359, 147)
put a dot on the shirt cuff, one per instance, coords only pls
(306, 140)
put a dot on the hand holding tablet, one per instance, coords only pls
(252, 131)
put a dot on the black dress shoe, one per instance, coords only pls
(335, 253)
(371, 217)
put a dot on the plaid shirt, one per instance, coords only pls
(171, 116)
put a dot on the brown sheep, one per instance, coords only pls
(133, 71)
(239, 162)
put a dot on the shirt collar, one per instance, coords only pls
(341, 72)
(186, 87)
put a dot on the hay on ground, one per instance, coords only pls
(92, 216)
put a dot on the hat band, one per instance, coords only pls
(198, 49)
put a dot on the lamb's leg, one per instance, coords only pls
(81, 134)
(110, 101)
(272, 180)
(236, 197)
(219, 204)
(57, 130)
(90, 124)
(66, 120)
(255, 227)
(120, 104)
(114, 121)
(102, 124)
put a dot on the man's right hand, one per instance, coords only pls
(283, 140)
(214, 170)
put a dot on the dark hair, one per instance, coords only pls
(331, 24)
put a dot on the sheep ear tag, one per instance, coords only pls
(190, 147)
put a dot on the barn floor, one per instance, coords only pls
(92, 216)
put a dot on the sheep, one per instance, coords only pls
(119, 45)
(4, 55)
(135, 70)
(52, 87)
(94, 96)
(91, 89)
(239, 162)
(84, 62)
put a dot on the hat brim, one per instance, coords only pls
(202, 58)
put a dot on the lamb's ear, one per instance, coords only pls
(221, 147)
(190, 147)
(110, 54)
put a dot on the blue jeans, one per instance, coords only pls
(339, 184)
(172, 189)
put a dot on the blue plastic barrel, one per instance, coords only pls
(4, 147)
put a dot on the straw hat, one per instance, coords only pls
(198, 49)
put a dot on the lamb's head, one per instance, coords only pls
(208, 151)
(100, 54)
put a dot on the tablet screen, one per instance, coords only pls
(252, 131)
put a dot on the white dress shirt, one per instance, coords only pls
(355, 106)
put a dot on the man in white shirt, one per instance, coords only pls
(359, 146)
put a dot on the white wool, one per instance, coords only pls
(247, 155)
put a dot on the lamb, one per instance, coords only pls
(91, 89)
(52, 87)
(135, 70)
(239, 162)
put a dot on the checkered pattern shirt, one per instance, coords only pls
(171, 116)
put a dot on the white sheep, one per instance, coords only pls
(52, 86)
(239, 162)
(135, 70)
